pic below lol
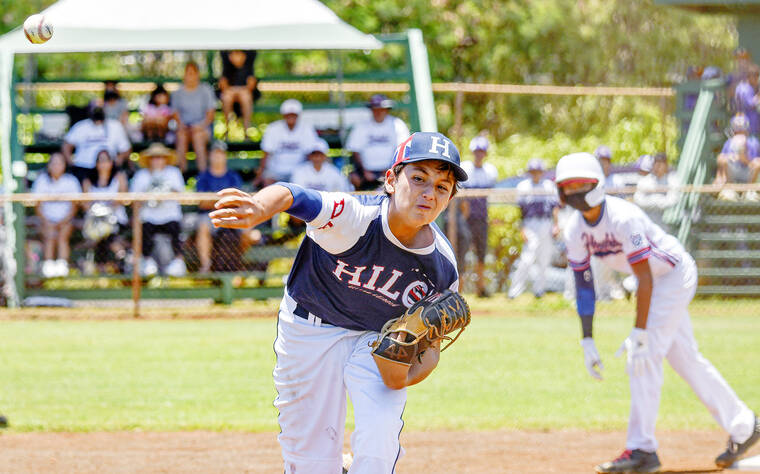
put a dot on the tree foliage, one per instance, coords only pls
(581, 42)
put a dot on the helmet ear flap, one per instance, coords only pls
(596, 195)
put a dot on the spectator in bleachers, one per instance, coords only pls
(158, 175)
(604, 155)
(746, 99)
(655, 203)
(156, 115)
(106, 221)
(373, 142)
(481, 175)
(88, 137)
(208, 238)
(319, 173)
(194, 105)
(56, 216)
(737, 161)
(284, 144)
(114, 106)
(539, 209)
(238, 84)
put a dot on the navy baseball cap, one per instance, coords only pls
(380, 101)
(422, 146)
(603, 151)
(536, 164)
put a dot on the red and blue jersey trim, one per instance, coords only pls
(579, 266)
(639, 255)
(665, 256)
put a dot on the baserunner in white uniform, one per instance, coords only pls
(622, 236)
(364, 261)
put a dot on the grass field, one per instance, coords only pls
(518, 365)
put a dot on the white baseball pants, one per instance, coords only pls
(316, 365)
(670, 336)
(535, 257)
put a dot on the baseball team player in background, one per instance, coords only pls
(481, 175)
(364, 261)
(622, 236)
(537, 199)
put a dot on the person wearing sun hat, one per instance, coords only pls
(159, 175)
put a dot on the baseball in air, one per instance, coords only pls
(37, 29)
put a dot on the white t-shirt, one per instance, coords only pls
(376, 142)
(624, 235)
(483, 177)
(118, 209)
(329, 178)
(167, 180)
(286, 148)
(55, 211)
(89, 139)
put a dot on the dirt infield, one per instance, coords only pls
(426, 452)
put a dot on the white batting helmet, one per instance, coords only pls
(583, 167)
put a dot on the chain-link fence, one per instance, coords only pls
(111, 248)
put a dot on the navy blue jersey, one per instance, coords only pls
(351, 271)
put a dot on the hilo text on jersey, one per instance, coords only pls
(600, 248)
(379, 283)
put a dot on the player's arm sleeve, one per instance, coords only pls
(579, 261)
(307, 203)
(339, 222)
(635, 243)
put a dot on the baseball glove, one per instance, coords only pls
(428, 320)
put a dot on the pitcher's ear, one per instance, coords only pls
(390, 181)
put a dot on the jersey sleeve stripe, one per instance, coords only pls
(579, 266)
(639, 255)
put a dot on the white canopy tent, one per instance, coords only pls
(170, 25)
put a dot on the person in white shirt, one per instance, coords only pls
(284, 145)
(373, 142)
(56, 216)
(539, 209)
(656, 203)
(319, 173)
(622, 236)
(159, 217)
(482, 175)
(88, 137)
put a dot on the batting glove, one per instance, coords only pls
(591, 358)
(636, 347)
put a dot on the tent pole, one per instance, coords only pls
(341, 100)
(10, 250)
